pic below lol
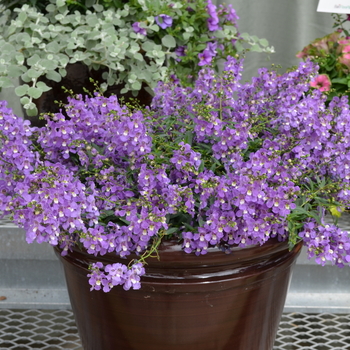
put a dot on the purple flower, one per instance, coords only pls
(164, 21)
(180, 51)
(211, 47)
(174, 79)
(213, 20)
(139, 30)
(229, 13)
(205, 58)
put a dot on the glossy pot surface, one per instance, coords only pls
(215, 301)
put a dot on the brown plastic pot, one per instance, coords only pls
(215, 301)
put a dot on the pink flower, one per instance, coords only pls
(321, 82)
(346, 49)
(344, 57)
(321, 47)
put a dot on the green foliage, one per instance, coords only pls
(41, 38)
(72, 5)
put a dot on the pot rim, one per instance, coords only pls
(171, 255)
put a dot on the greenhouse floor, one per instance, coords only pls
(28, 329)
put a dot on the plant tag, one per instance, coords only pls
(334, 6)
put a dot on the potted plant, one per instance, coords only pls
(183, 218)
(126, 46)
(332, 54)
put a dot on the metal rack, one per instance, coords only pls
(55, 330)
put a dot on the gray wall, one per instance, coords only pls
(288, 25)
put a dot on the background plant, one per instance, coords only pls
(134, 43)
(72, 5)
(332, 54)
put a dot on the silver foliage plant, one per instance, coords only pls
(139, 42)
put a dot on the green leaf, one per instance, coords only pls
(98, 8)
(136, 85)
(201, 47)
(340, 81)
(15, 71)
(230, 30)
(50, 8)
(34, 73)
(22, 16)
(245, 36)
(7, 47)
(154, 27)
(53, 47)
(21, 90)
(171, 230)
(298, 211)
(106, 213)
(89, 3)
(168, 41)
(62, 59)
(124, 220)
(186, 36)
(5, 82)
(31, 61)
(138, 56)
(201, 167)
(239, 47)
(62, 72)
(48, 64)
(220, 34)
(188, 137)
(189, 227)
(34, 92)
(25, 100)
(60, 3)
(256, 48)
(20, 58)
(31, 110)
(263, 42)
(42, 86)
(53, 75)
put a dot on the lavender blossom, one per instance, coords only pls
(139, 30)
(164, 21)
(220, 164)
(213, 20)
(180, 51)
(205, 58)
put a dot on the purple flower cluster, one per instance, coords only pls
(219, 164)
(107, 277)
(229, 12)
(326, 243)
(208, 54)
(225, 14)
(217, 18)
(273, 141)
(213, 20)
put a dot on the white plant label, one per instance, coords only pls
(334, 6)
